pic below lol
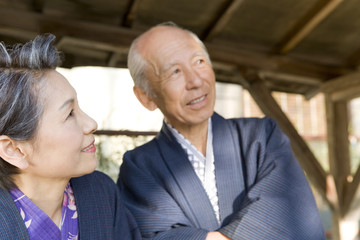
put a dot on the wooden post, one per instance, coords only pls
(306, 158)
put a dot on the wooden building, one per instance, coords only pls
(295, 46)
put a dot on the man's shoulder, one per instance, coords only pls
(146, 147)
(145, 151)
(248, 122)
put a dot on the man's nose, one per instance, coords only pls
(193, 79)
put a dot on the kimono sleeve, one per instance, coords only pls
(279, 203)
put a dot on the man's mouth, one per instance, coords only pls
(197, 100)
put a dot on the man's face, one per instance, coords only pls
(180, 76)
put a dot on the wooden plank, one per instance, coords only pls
(21, 20)
(131, 13)
(338, 147)
(307, 25)
(222, 20)
(346, 94)
(352, 190)
(345, 81)
(17, 33)
(38, 5)
(125, 132)
(227, 52)
(290, 78)
(40, 23)
(75, 42)
(353, 59)
(306, 158)
(113, 59)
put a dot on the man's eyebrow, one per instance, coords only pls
(68, 102)
(168, 66)
(199, 53)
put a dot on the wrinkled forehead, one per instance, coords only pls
(167, 45)
(162, 38)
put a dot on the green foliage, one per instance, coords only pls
(110, 151)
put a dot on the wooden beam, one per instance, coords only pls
(17, 33)
(222, 20)
(346, 94)
(113, 59)
(314, 83)
(353, 59)
(352, 189)
(284, 77)
(124, 132)
(311, 93)
(131, 13)
(232, 74)
(221, 52)
(342, 82)
(91, 45)
(306, 25)
(229, 53)
(338, 147)
(306, 158)
(38, 23)
(38, 5)
(343, 88)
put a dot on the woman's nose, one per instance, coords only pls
(90, 125)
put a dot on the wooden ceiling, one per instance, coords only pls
(295, 46)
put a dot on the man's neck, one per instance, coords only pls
(197, 135)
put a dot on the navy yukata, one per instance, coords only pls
(101, 213)
(262, 190)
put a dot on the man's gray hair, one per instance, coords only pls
(137, 65)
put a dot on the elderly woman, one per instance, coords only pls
(48, 186)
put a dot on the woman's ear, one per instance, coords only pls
(12, 152)
(144, 98)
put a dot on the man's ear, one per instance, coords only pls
(144, 98)
(12, 152)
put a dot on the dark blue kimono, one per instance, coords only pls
(101, 213)
(262, 191)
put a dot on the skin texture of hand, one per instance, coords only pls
(216, 236)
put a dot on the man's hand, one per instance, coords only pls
(216, 236)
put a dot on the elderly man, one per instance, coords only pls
(205, 177)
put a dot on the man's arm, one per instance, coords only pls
(279, 203)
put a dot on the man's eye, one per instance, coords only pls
(200, 61)
(176, 71)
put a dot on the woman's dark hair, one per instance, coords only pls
(22, 69)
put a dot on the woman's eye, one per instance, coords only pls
(71, 113)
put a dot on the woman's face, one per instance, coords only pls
(64, 144)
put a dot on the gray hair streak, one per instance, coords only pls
(22, 71)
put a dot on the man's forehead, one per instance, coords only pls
(159, 34)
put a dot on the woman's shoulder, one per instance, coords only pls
(97, 176)
(95, 180)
